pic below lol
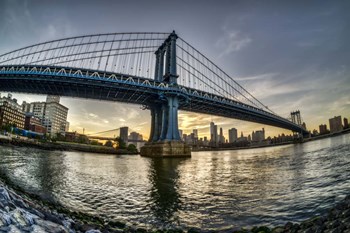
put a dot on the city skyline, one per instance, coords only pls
(284, 73)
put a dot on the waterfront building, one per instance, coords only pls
(346, 123)
(221, 137)
(184, 136)
(195, 132)
(124, 134)
(55, 117)
(37, 108)
(11, 102)
(258, 136)
(34, 124)
(52, 114)
(11, 112)
(335, 124)
(242, 138)
(323, 129)
(67, 126)
(76, 137)
(216, 135)
(134, 136)
(181, 134)
(213, 133)
(205, 141)
(232, 135)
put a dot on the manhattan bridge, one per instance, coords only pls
(159, 71)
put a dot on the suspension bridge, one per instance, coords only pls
(159, 71)
(107, 135)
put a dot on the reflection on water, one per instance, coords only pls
(212, 190)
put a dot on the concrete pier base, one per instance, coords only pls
(166, 149)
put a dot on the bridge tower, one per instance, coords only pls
(165, 140)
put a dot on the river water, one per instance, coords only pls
(211, 190)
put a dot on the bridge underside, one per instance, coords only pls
(134, 93)
(204, 106)
(88, 89)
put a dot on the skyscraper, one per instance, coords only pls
(232, 135)
(195, 132)
(11, 112)
(323, 129)
(221, 138)
(346, 123)
(213, 134)
(52, 114)
(335, 124)
(259, 135)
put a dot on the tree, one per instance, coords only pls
(109, 143)
(132, 148)
(121, 143)
(60, 137)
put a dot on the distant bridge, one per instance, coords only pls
(112, 139)
(160, 71)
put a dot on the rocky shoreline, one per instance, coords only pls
(23, 212)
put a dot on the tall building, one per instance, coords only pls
(221, 137)
(323, 129)
(34, 124)
(216, 136)
(242, 138)
(258, 136)
(232, 135)
(11, 112)
(134, 136)
(213, 133)
(37, 108)
(53, 115)
(346, 123)
(11, 102)
(335, 124)
(55, 118)
(52, 98)
(195, 132)
(124, 134)
(181, 134)
(67, 126)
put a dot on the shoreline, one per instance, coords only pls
(63, 146)
(346, 131)
(27, 212)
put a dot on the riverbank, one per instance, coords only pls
(346, 131)
(23, 212)
(61, 146)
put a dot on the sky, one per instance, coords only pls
(291, 55)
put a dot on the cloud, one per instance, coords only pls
(92, 115)
(232, 41)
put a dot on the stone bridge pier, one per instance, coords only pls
(164, 140)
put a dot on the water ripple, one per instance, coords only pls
(212, 190)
